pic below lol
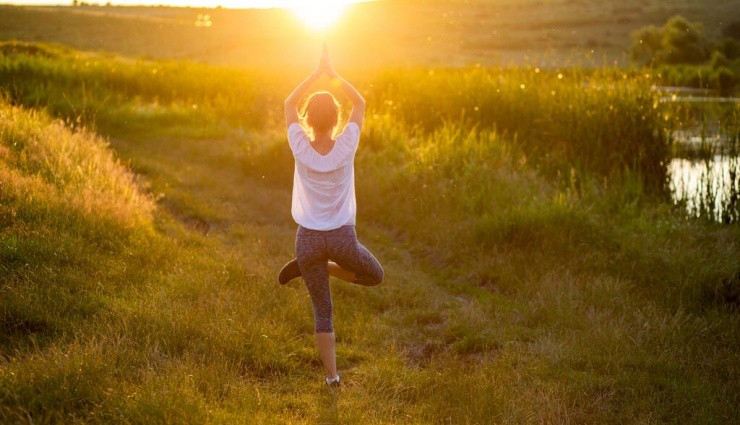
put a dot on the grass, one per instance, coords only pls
(124, 96)
(543, 110)
(716, 140)
(431, 33)
(138, 271)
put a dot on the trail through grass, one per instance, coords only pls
(510, 296)
(248, 227)
(205, 334)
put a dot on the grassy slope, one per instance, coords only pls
(202, 332)
(570, 309)
(438, 33)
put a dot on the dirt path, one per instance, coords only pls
(204, 186)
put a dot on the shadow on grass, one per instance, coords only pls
(328, 412)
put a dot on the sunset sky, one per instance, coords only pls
(317, 15)
(237, 4)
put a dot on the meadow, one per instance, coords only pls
(536, 270)
(391, 33)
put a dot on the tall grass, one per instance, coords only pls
(603, 122)
(103, 296)
(52, 173)
(61, 193)
(709, 135)
(69, 213)
(124, 96)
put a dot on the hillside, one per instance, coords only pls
(390, 33)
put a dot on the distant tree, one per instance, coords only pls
(75, 3)
(723, 79)
(732, 30)
(678, 41)
(730, 47)
(719, 60)
(646, 44)
(684, 42)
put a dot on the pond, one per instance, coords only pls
(705, 187)
(704, 173)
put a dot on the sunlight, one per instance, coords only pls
(320, 15)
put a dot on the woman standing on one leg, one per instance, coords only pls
(324, 203)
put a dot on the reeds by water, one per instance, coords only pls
(600, 124)
(706, 175)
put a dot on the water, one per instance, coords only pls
(705, 186)
(705, 174)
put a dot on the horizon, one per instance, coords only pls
(210, 4)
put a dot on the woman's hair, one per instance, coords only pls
(321, 112)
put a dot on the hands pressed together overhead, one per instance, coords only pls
(325, 65)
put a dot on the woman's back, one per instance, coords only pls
(324, 185)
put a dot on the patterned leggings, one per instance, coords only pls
(314, 248)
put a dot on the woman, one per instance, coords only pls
(324, 205)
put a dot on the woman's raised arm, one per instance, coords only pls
(291, 103)
(325, 66)
(358, 102)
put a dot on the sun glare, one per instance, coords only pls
(320, 15)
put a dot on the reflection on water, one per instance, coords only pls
(704, 185)
(705, 174)
(695, 141)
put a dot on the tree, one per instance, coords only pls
(723, 79)
(646, 44)
(678, 41)
(732, 30)
(684, 42)
(730, 47)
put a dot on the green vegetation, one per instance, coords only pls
(542, 110)
(395, 33)
(685, 56)
(715, 148)
(121, 96)
(529, 278)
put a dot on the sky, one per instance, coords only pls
(194, 3)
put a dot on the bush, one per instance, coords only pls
(730, 48)
(732, 30)
(602, 122)
(683, 42)
(724, 80)
(719, 60)
(677, 42)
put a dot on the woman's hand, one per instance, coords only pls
(325, 65)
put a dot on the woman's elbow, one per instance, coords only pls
(289, 103)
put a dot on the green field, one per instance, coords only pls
(536, 270)
(396, 33)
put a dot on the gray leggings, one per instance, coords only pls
(314, 248)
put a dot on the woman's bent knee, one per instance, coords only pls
(378, 275)
(373, 279)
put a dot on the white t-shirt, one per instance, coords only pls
(324, 185)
